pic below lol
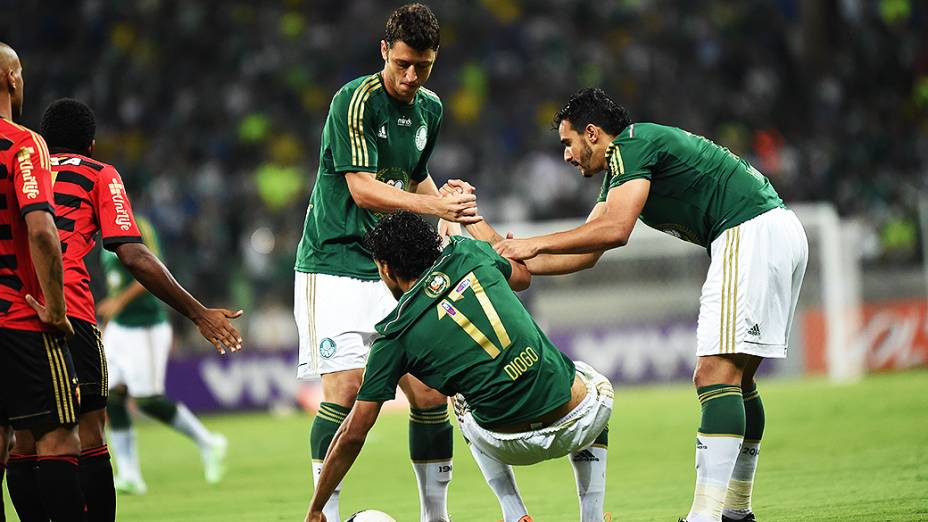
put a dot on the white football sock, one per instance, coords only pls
(590, 471)
(433, 479)
(738, 500)
(187, 423)
(502, 481)
(330, 510)
(715, 460)
(127, 460)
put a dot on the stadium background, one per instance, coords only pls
(212, 111)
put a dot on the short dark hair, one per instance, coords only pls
(68, 124)
(414, 24)
(594, 106)
(405, 242)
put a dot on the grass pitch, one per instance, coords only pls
(857, 452)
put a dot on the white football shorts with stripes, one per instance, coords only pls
(137, 357)
(749, 298)
(335, 317)
(575, 431)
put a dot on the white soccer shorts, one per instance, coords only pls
(749, 298)
(335, 317)
(137, 357)
(577, 430)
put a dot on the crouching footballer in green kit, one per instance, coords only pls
(460, 328)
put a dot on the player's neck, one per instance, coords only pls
(6, 107)
(406, 285)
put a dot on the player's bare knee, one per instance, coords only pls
(62, 440)
(91, 429)
(718, 369)
(23, 442)
(342, 387)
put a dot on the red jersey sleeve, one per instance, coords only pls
(111, 202)
(32, 175)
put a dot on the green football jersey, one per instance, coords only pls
(698, 189)
(366, 131)
(146, 309)
(461, 329)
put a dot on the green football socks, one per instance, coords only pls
(430, 448)
(326, 423)
(718, 443)
(738, 500)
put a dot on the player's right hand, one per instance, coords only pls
(460, 208)
(215, 327)
(58, 321)
(456, 186)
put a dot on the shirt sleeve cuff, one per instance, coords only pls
(110, 243)
(38, 206)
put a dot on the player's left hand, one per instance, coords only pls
(215, 327)
(517, 249)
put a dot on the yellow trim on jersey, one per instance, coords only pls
(617, 156)
(359, 153)
(430, 93)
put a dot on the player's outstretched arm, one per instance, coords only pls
(214, 323)
(343, 450)
(371, 194)
(45, 249)
(611, 229)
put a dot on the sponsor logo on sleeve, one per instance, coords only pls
(30, 184)
(118, 192)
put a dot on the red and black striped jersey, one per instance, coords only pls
(25, 186)
(89, 198)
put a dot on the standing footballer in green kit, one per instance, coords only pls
(378, 137)
(695, 190)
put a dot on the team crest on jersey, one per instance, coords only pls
(327, 348)
(436, 284)
(422, 136)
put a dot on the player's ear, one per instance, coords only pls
(592, 132)
(92, 147)
(383, 49)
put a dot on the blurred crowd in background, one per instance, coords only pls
(212, 111)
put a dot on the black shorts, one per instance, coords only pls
(38, 385)
(90, 363)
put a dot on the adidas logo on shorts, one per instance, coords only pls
(585, 456)
(755, 330)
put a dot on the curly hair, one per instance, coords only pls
(68, 124)
(414, 24)
(405, 242)
(594, 106)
